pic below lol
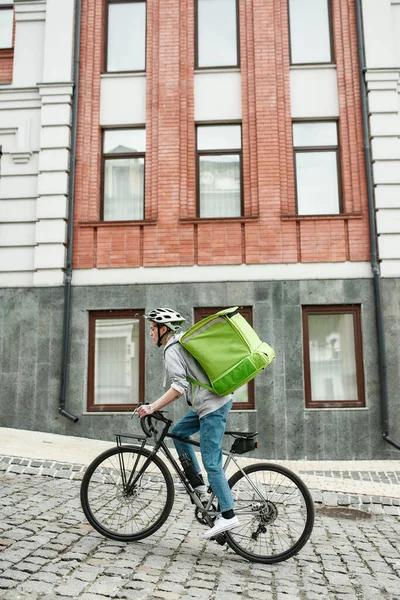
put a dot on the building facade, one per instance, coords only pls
(219, 161)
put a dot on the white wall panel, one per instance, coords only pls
(56, 159)
(21, 186)
(19, 128)
(386, 171)
(389, 246)
(387, 196)
(49, 256)
(51, 231)
(16, 259)
(17, 234)
(382, 124)
(19, 279)
(52, 207)
(12, 165)
(314, 92)
(390, 268)
(379, 46)
(55, 137)
(47, 277)
(28, 53)
(17, 210)
(59, 40)
(53, 183)
(123, 100)
(385, 148)
(217, 96)
(382, 101)
(396, 30)
(56, 114)
(220, 273)
(388, 221)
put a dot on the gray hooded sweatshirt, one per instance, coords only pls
(178, 364)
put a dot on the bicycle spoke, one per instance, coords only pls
(119, 510)
(275, 528)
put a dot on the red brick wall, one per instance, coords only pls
(7, 61)
(270, 231)
(6, 64)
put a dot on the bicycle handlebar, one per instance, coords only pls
(147, 425)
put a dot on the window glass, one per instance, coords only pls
(217, 33)
(310, 40)
(218, 137)
(220, 186)
(126, 39)
(123, 186)
(123, 189)
(116, 361)
(6, 27)
(317, 183)
(315, 134)
(219, 170)
(317, 176)
(119, 141)
(332, 357)
(333, 362)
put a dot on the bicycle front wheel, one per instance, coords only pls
(120, 511)
(275, 510)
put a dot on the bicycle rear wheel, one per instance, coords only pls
(118, 512)
(275, 510)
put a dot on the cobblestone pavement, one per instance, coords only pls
(48, 551)
(391, 477)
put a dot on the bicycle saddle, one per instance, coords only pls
(245, 434)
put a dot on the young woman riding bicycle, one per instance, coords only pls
(208, 413)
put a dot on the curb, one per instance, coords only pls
(377, 505)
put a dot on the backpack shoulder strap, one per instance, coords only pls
(190, 379)
(195, 381)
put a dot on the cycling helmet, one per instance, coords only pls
(165, 316)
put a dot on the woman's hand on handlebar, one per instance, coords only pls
(144, 410)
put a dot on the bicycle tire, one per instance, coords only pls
(116, 514)
(275, 527)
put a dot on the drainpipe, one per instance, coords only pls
(70, 227)
(372, 231)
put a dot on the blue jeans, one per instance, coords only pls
(212, 428)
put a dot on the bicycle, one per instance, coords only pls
(127, 493)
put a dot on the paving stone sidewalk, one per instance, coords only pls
(49, 552)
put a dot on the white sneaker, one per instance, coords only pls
(201, 489)
(221, 525)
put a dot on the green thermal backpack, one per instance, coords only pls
(228, 349)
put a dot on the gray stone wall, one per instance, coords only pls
(30, 361)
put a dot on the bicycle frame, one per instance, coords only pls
(160, 444)
(276, 507)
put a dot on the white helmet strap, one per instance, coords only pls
(160, 337)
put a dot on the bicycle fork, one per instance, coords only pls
(135, 475)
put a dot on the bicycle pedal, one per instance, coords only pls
(220, 539)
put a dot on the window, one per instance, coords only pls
(6, 26)
(123, 167)
(310, 32)
(126, 36)
(316, 155)
(244, 396)
(217, 34)
(116, 360)
(333, 364)
(219, 171)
